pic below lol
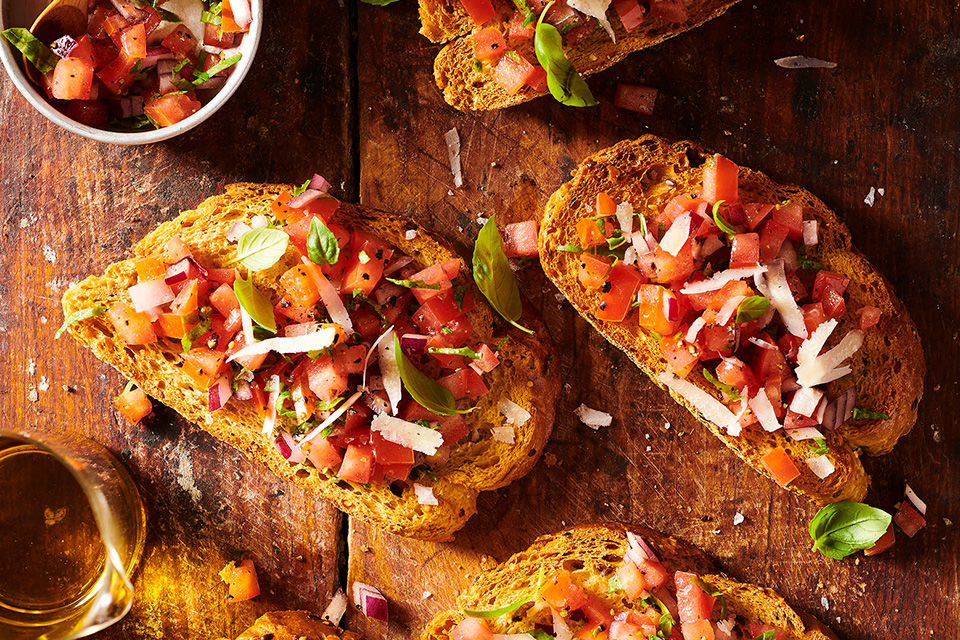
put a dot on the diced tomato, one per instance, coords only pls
(593, 270)
(693, 604)
(512, 72)
(631, 580)
(133, 41)
(325, 379)
(833, 304)
(204, 365)
(538, 79)
(436, 313)
(635, 97)
(357, 463)
(796, 421)
(134, 405)
(698, 630)
(213, 37)
(654, 574)
(180, 41)
(630, 12)
(886, 541)
(390, 453)
(719, 179)
(488, 360)
(323, 454)
(778, 463)
(410, 410)
(350, 359)
(361, 274)
(605, 205)
(481, 11)
(117, 77)
(771, 240)
(827, 280)
(681, 357)
(72, 79)
(668, 268)
(299, 286)
(172, 325)
(869, 317)
(590, 234)
(655, 301)
(95, 21)
(618, 292)
(465, 383)
(224, 300)
(562, 594)
(756, 214)
(767, 362)
(186, 301)
(472, 629)
(172, 108)
(813, 316)
(677, 206)
(175, 251)
(489, 44)
(732, 289)
(791, 216)
(447, 361)
(134, 327)
(520, 239)
(517, 29)
(745, 250)
(790, 345)
(772, 388)
(287, 308)
(734, 371)
(716, 341)
(151, 268)
(797, 288)
(909, 519)
(241, 581)
(440, 274)
(113, 26)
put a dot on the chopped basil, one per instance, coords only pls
(414, 284)
(494, 277)
(509, 608)
(299, 190)
(260, 249)
(613, 584)
(616, 241)
(133, 122)
(195, 332)
(77, 316)
(203, 76)
(752, 308)
(728, 389)
(769, 634)
(445, 330)
(818, 446)
(255, 303)
(665, 625)
(565, 84)
(322, 245)
(513, 55)
(363, 257)
(706, 587)
(502, 342)
(459, 293)
(867, 414)
(643, 224)
(39, 54)
(466, 352)
(843, 528)
(805, 262)
(426, 391)
(477, 64)
(570, 248)
(721, 222)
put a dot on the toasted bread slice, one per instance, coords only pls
(887, 371)
(592, 553)
(294, 625)
(468, 88)
(474, 466)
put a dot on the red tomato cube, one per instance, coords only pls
(134, 405)
(630, 12)
(72, 79)
(132, 326)
(489, 44)
(869, 317)
(771, 240)
(618, 291)
(512, 72)
(323, 454)
(778, 463)
(692, 603)
(471, 629)
(180, 41)
(909, 519)
(655, 303)
(719, 179)
(520, 239)
(133, 41)
(481, 11)
(593, 270)
(170, 109)
(92, 113)
(326, 380)
(827, 280)
(886, 541)
(791, 216)
(681, 357)
(357, 463)
(745, 250)
(465, 383)
(756, 214)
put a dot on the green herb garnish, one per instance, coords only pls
(466, 352)
(565, 84)
(260, 249)
(843, 528)
(322, 245)
(613, 584)
(509, 608)
(32, 48)
(428, 393)
(414, 284)
(728, 389)
(751, 308)
(721, 222)
(570, 248)
(195, 332)
(255, 303)
(77, 316)
(867, 414)
(494, 277)
(818, 446)
(769, 634)
(203, 76)
(706, 587)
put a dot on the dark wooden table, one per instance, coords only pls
(348, 91)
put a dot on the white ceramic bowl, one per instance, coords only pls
(22, 13)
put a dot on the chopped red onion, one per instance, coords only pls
(396, 264)
(64, 46)
(840, 410)
(150, 294)
(319, 183)
(810, 232)
(242, 13)
(128, 10)
(736, 214)
(337, 607)
(186, 269)
(220, 394)
(637, 543)
(237, 230)
(126, 107)
(370, 601)
(671, 308)
(387, 293)
(414, 344)
(213, 84)
(155, 55)
(289, 449)
(305, 198)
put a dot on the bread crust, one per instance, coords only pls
(468, 88)
(590, 552)
(888, 370)
(478, 466)
(294, 625)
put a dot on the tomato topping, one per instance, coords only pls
(745, 250)
(325, 379)
(618, 292)
(780, 466)
(241, 580)
(133, 41)
(869, 317)
(772, 238)
(465, 383)
(630, 579)
(886, 541)
(630, 13)
(562, 594)
(323, 454)
(692, 603)
(134, 405)
(735, 372)
(590, 234)
(681, 357)
(172, 108)
(513, 72)
(655, 303)
(471, 629)
(520, 239)
(489, 44)
(909, 519)
(593, 270)
(132, 326)
(719, 179)
(756, 214)
(204, 365)
(481, 11)
(791, 216)
(357, 463)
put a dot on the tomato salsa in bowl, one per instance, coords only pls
(141, 72)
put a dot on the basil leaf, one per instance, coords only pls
(570, 248)
(127, 389)
(255, 303)
(842, 528)
(466, 352)
(721, 222)
(414, 284)
(459, 293)
(706, 587)
(769, 634)
(322, 245)
(565, 84)
(260, 249)
(429, 394)
(509, 608)
(195, 332)
(818, 446)
(77, 316)
(751, 308)
(39, 54)
(540, 634)
(805, 262)
(665, 625)
(867, 414)
(494, 277)
(299, 190)
(728, 389)
(203, 76)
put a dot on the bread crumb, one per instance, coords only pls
(738, 518)
(649, 448)
(410, 234)
(948, 522)
(44, 384)
(43, 319)
(550, 460)
(666, 425)
(716, 532)
(49, 254)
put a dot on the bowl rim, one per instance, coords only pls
(250, 45)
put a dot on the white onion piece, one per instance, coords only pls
(677, 235)
(595, 9)
(452, 139)
(593, 418)
(220, 393)
(625, 218)
(763, 409)
(763, 344)
(290, 451)
(270, 420)
(330, 297)
(373, 349)
(337, 607)
(810, 232)
(333, 417)
(561, 630)
(826, 368)
(805, 401)
(728, 309)
(425, 495)
(506, 435)
(244, 392)
(821, 466)
(407, 434)
(397, 263)
(915, 500)
(305, 198)
(150, 294)
(804, 433)
(717, 280)
(389, 369)
(237, 230)
(775, 287)
(630, 255)
(322, 339)
(514, 413)
(811, 347)
(301, 329)
(788, 256)
(259, 222)
(694, 329)
(370, 601)
(242, 13)
(708, 406)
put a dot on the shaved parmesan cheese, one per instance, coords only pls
(694, 329)
(407, 434)
(804, 433)
(821, 466)
(810, 232)
(506, 435)
(425, 495)
(763, 344)
(810, 348)
(302, 329)
(514, 413)
(677, 235)
(915, 500)
(593, 418)
(708, 406)
(322, 339)
(595, 9)
(710, 245)
(625, 218)
(775, 287)
(716, 282)
(630, 255)
(452, 139)
(826, 368)
(388, 368)
(763, 409)
(728, 309)
(805, 401)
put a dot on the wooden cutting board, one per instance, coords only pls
(348, 91)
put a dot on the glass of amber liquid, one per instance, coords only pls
(71, 534)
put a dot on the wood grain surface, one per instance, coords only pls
(348, 91)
